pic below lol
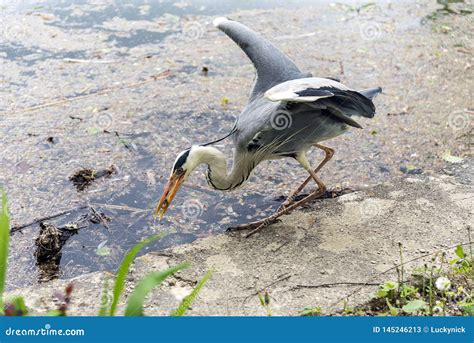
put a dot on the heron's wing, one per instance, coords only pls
(303, 90)
(273, 66)
(371, 93)
(341, 102)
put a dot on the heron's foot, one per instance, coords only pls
(288, 202)
(252, 226)
(254, 231)
(285, 205)
(292, 200)
(241, 227)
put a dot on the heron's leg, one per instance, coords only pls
(316, 194)
(329, 154)
(257, 225)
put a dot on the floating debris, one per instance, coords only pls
(48, 253)
(102, 249)
(99, 217)
(84, 177)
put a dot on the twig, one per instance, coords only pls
(468, 228)
(160, 76)
(36, 221)
(281, 246)
(282, 278)
(122, 207)
(326, 59)
(75, 60)
(101, 218)
(335, 284)
(160, 253)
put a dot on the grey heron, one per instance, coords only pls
(288, 113)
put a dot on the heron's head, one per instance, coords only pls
(184, 164)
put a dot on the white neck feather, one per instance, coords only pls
(217, 175)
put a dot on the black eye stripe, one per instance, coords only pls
(181, 160)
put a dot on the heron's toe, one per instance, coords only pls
(249, 226)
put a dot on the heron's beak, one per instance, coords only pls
(171, 188)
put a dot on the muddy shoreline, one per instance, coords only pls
(332, 254)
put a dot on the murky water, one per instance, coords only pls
(56, 50)
(95, 246)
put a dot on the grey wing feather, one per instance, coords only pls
(371, 93)
(304, 89)
(336, 112)
(341, 102)
(272, 65)
(351, 103)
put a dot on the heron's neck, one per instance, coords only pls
(217, 175)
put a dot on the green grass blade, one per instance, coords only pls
(54, 313)
(19, 303)
(188, 300)
(124, 267)
(4, 240)
(145, 286)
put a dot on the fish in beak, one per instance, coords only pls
(169, 192)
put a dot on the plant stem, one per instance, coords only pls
(402, 268)
(431, 288)
(470, 241)
(424, 280)
(443, 257)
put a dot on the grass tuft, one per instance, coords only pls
(4, 241)
(145, 286)
(125, 267)
(188, 300)
(17, 306)
(439, 288)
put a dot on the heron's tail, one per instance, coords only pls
(371, 93)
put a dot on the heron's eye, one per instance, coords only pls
(179, 171)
